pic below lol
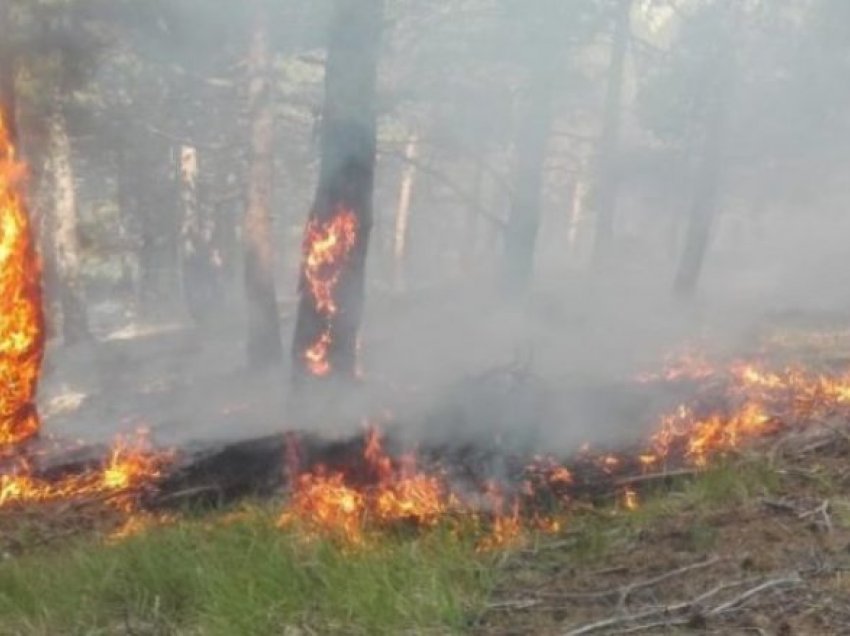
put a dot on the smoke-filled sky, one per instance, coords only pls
(723, 129)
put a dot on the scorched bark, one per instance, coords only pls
(325, 339)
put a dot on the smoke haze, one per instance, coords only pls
(729, 126)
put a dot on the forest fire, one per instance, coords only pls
(21, 317)
(382, 492)
(131, 466)
(327, 248)
(736, 405)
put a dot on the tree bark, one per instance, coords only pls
(325, 339)
(64, 235)
(524, 219)
(264, 346)
(703, 207)
(402, 218)
(197, 270)
(608, 178)
(704, 203)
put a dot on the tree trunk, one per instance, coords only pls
(524, 219)
(608, 178)
(469, 247)
(336, 241)
(21, 315)
(576, 211)
(264, 345)
(704, 203)
(402, 218)
(197, 271)
(64, 235)
(703, 208)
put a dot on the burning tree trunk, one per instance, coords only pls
(197, 275)
(336, 238)
(64, 241)
(607, 185)
(264, 345)
(21, 315)
(524, 219)
(402, 218)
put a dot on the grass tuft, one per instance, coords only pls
(242, 577)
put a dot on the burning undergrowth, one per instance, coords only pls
(352, 490)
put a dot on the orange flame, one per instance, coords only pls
(327, 247)
(21, 315)
(326, 504)
(316, 356)
(131, 466)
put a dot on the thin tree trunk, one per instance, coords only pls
(704, 203)
(64, 235)
(576, 212)
(402, 218)
(703, 208)
(608, 179)
(524, 219)
(264, 345)
(331, 288)
(197, 270)
(469, 247)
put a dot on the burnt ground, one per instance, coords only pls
(758, 546)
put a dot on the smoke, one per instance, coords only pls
(445, 347)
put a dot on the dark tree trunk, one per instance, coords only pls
(325, 339)
(608, 178)
(524, 219)
(704, 204)
(63, 237)
(703, 208)
(264, 345)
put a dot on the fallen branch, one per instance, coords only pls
(650, 477)
(515, 604)
(675, 610)
(823, 511)
(755, 591)
(626, 591)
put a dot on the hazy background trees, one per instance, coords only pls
(176, 147)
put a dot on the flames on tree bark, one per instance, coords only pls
(327, 250)
(337, 233)
(21, 313)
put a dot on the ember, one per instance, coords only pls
(21, 316)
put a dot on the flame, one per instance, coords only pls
(316, 356)
(327, 247)
(688, 364)
(327, 504)
(132, 465)
(21, 314)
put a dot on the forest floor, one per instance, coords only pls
(759, 544)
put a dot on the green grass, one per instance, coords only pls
(243, 577)
(238, 574)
